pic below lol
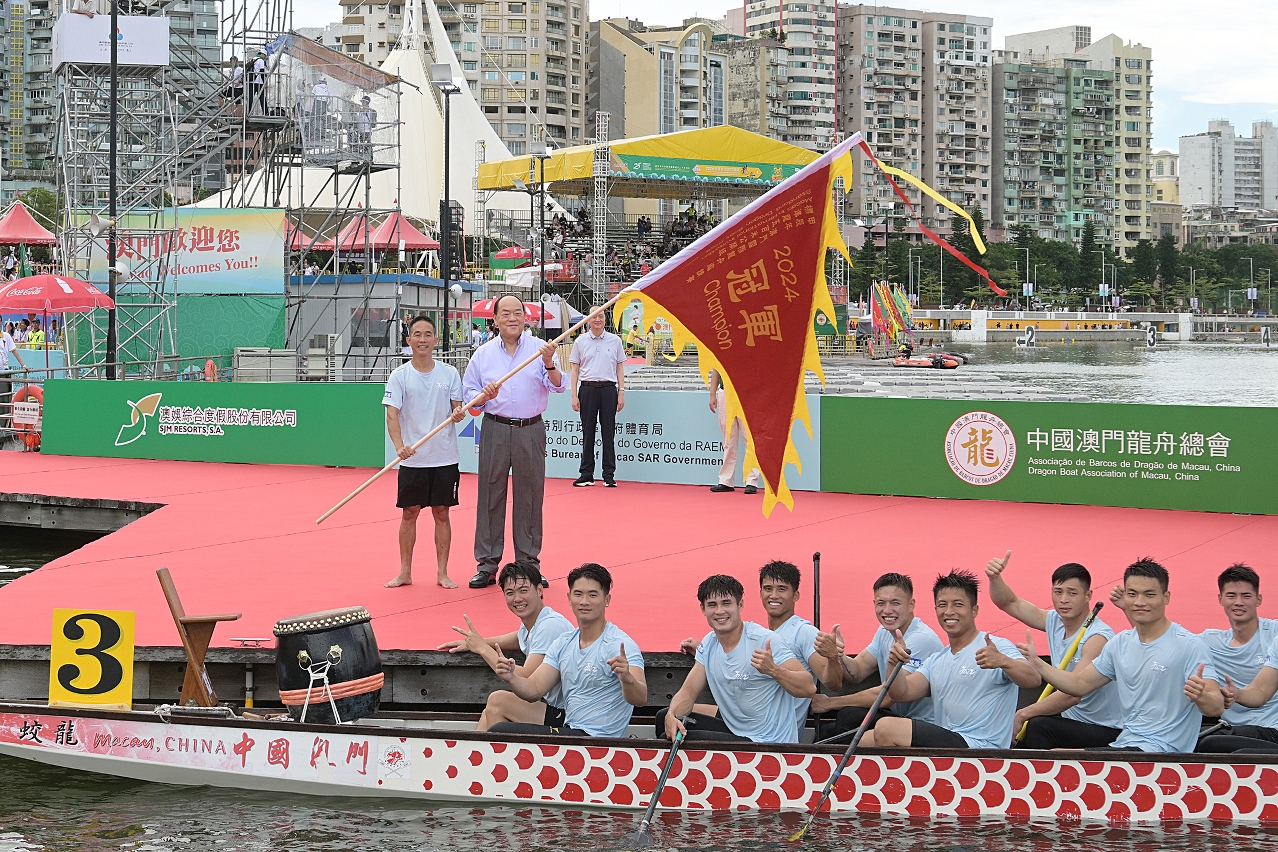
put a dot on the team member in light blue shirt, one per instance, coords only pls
(1061, 720)
(599, 667)
(421, 394)
(894, 608)
(1163, 672)
(751, 675)
(973, 683)
(1241, 654)
(539, 627)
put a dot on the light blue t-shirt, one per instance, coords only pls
(1102, 706)
(546, 629)
(1151, 679)
(1242, 664)
(800, 636)
(592, 694)
(424, 401)
(977, 704)
(923, 643)
(751, 704)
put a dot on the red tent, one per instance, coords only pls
(18, 227)
(387, 235)
(512, 252)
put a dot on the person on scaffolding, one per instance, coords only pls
(365, 119)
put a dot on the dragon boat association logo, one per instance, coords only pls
(980, 448)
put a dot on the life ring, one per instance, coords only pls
(30, 437)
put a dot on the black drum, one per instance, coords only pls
(338, 645)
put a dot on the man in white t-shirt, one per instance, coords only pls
(421, 394)
(7, 345)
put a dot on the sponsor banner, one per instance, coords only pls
(714, 171)
(337, 424)
(662, 436)
(219, 251)
(84, 40)
(1203, 458)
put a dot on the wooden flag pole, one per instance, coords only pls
(476, 401)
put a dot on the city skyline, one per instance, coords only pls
(1214, 70)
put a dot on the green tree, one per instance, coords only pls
(43, 207)
(1168, 257)
(1089, 273)
(1144, 272)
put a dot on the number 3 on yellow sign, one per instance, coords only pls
(91, 659)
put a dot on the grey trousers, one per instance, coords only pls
(520, 452)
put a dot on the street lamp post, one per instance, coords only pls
(541, 151)
(1269, 290)
(112, 145)
(887, 219)
(1102, 254)
(1251, 280)
(441, 76)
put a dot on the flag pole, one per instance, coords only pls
(476, 401)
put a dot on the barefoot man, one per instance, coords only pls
(420, 395)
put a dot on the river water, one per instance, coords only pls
(1168, 374)
(43, 808)
(47, 809)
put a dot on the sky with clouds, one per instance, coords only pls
(1210, 61)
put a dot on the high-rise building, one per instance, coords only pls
(26, 139)
(1053, 136)
(1221, 169)
(1132, 66)
(758, 69)
(1166, 168)
(808, 30)
(367, 31)
(917, 85)
(655, 80)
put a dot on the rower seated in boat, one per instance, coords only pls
(755, 679)
(598, 667)
(539, 627)
(894, 609)
(973, 683)
(1246, 656)
(1060, 720)
(1164, 675)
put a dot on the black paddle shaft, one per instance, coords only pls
(816, 590)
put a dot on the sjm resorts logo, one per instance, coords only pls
(980, 448)
(138, 413)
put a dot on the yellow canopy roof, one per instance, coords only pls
(719, 161)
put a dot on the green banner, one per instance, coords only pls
(717, 171)
(1204, 458)
(339, 424)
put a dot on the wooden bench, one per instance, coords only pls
(195, 631)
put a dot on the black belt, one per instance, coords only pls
(515, 421)
(600, 384)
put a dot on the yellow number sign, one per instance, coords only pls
(91, 659)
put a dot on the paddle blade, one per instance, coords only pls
(640, 839)
(798, 835)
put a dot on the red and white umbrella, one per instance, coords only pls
(483, 309)
(51, 294)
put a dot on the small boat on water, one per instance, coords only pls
(935, 361)
(432, 756)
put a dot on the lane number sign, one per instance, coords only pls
(91, 659)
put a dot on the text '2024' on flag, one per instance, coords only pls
(746, 294)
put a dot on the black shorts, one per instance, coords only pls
(554, 717)
(428, 486)
(927, 735)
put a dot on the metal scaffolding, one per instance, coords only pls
(601, 168)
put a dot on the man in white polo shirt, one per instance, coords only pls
(598, 392)
(421, 394)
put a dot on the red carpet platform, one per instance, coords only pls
(242, 538)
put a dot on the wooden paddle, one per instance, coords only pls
(642, 838)
(847, 755)
(479, 398)
(1065, 661)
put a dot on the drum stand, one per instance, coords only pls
(319, 674)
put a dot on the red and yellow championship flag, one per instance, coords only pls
(746, 294)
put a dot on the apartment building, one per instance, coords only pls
(808, 32)
(1221, 169)
(1166, 168)
(1132, 65)
(656, 79)
(917, 85)
(367, 32)
(27, 89)
(1053, 137)
(758, 71)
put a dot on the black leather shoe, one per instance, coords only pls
(750, 489)
(483, 579)
(720, 488)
